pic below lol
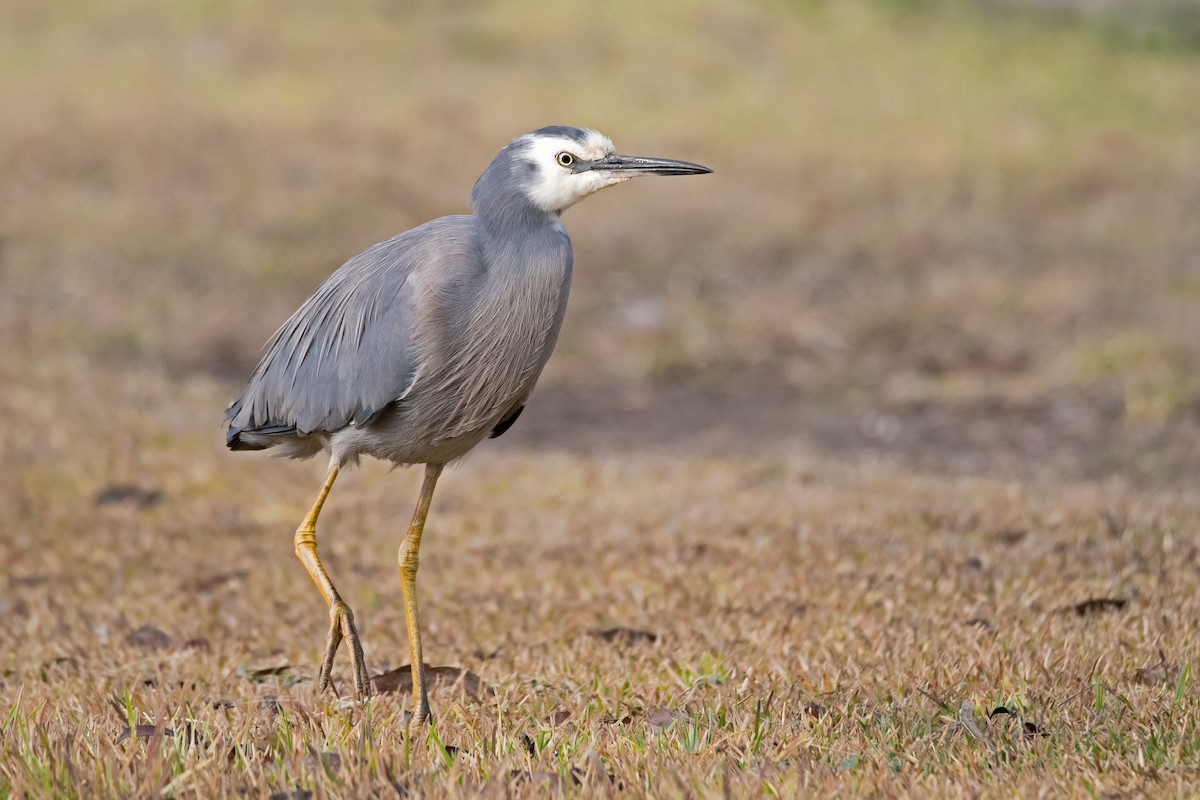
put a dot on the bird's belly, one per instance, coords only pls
(447, 414)
(398, 437)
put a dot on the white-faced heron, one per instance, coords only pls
(418, 348)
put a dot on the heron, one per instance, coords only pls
(419, 348)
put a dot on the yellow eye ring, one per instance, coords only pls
(565, 159)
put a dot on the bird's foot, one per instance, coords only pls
(341, 626)
(418, 724)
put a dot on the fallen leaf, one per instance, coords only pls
(199, 644)
(558, 718)
(1011, 536)
(148, 637)
(815, 710)
(260, 674)
(1157, 674)
(624, 635)
(1096, 605)
(663, 717)
(400, 680)
(143, 732)
(1032, 730)
(484, 656)
(966, 718)
(294, 794)
(148, 732)
(115, 493)
(977, 622)
(1028, 728)
(530, 746)
(270, 704)
(211, 582)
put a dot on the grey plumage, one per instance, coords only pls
(420, 345)
(401, 353)
(418, 348)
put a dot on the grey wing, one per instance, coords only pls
(348, 352)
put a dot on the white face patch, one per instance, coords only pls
(554, 188)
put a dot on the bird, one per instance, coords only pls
(420, 347)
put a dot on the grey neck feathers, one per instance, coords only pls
(499, 197)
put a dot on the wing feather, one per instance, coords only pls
(351, 349)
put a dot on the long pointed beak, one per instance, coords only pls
(638, 165)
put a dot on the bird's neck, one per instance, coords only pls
(514, 218)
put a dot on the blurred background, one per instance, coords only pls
(951, 237)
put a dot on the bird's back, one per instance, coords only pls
(414, 350)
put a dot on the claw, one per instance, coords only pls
(341, 626)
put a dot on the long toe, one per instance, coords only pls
(341, 626)
(362, 681)
(331, 645)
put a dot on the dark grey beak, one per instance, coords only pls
(647, 166)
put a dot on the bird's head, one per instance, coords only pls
(556, 167)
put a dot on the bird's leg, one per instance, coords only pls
(341, 618)
(408, 584)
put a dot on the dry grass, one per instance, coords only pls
(892, 422)
(804, 627)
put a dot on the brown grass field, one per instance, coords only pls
(867, 466)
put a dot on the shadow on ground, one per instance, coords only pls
(1070, 433)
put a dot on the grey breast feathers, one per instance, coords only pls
(350, 350)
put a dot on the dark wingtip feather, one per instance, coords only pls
(505, 423)
(233, 440)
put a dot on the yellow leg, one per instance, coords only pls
(341, 618)
(408, 584)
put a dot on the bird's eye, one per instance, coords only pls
(565, 159)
